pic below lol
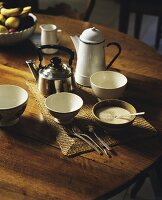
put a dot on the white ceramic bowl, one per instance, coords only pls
(13, 101)
(19, 36)
(103, 112)
(108, 84)
(64, 106)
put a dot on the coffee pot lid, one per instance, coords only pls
(92, 35)
(56, 70)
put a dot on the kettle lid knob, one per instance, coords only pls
(56, 62)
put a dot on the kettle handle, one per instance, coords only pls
(59, 47)
(116, 56)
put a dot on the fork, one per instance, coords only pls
(77, 133)
(104, 144)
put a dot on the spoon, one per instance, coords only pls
(105, 145)
(125, 115)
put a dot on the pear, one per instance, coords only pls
(25, 11)
(2, 19)
(3, 29)
(1, 4)
(12, 22)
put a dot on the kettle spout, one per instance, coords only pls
(33, 68)
(75, 40)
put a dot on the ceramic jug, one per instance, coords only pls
(90, 49)
(50, 35)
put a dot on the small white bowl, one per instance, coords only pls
(108, 84)
(13, 101)
(64, 106)
(18, 36)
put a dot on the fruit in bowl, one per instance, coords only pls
(16, 24)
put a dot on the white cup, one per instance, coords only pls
(50, 35)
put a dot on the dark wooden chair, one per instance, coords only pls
(155, 175)
(65, 9)
(140, 8)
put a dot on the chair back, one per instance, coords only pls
(66, 9)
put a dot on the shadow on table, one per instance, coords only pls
(34, 129)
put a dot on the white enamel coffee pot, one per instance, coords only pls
(90, 49)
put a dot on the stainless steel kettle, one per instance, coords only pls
(55, 77)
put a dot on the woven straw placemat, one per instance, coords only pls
(140, 128)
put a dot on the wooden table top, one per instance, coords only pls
(33, 169)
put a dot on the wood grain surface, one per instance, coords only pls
(31, 168)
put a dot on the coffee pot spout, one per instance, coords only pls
(75, 40)
(33, 68)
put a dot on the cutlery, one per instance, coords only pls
(104, 144)
(125, 115)
(77, 133)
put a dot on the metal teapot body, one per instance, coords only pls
(55, 77)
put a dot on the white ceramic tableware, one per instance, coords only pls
(13, 101)
(50, 35)
(108, 84)
(103, 111)
(90, 48)
(64, 106)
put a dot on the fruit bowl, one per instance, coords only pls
(25, 31)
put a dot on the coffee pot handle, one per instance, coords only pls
(59, 47)
(116, 56)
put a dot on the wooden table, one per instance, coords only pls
(31, 168)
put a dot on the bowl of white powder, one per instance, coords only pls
(114, 113)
